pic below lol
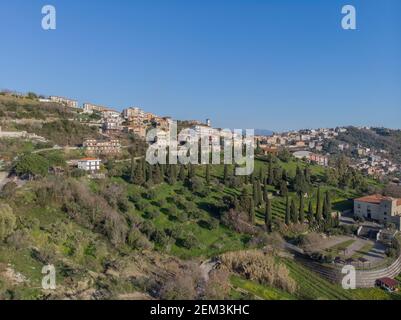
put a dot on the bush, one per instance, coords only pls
(7, 221)
(218, 286)
(138, 241)
(181, 216)
(135, 197)
(19, 239)
(174, 232)
(32, 165)
(147, 228)
(152, 214)
(78, 173)
(8, 190)
(150, 194)
(142, 205)
(189, 242)
(209, 224)
(179, 288)
(160, 238)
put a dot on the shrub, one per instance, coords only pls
(160, 238)
(135, 197)
(19, 239)
(8, 190)
(142, 205)
(209, 224)
(174, 232)
(78, 173)
(181, 216)
(189, 241)
(138, 241)
(161, 203)
(152, 214)
(7, 221)
(32, 165)
(150, 194)
(179, 288)
(147, 228)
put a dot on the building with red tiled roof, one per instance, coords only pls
(379, 208)
(387, 283)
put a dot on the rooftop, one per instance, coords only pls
(376, 199)
(391, 283)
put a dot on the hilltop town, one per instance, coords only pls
(77, 193)
(321, 146)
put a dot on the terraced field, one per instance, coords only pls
(311, 286)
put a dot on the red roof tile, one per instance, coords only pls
(376, 199)
(391, 283)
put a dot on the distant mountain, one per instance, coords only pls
(263, 132)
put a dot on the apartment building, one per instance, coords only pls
(133, 114)
(312, 157)
(65, 101)
(89, 164)
(102, 147)
(379, 208)
(90, 108)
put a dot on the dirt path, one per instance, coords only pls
(206, 267)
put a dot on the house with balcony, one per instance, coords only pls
(89, 164)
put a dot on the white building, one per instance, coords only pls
(379, 208)
(90, 108)
(89, 164)
(65, 101)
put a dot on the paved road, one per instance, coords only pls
(56, 148)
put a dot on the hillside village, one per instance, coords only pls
(315, 145)
(315, 202)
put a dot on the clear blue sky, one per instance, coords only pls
(268, 64)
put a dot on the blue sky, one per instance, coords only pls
(278, 64)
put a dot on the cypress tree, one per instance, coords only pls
(225, 174)
(284, 175)
(318, 206)
(327, 208)
(251, 211)
(149, 173)
(270, 177)
(207, 174)
(294, 212)
(157, 175)
(132, 173)
(172, 174)
(139, 178)
(265, 193)
(268, 215)
(307, 175)
(182, 174)
(287, 212)
(191, 171)
(301, 210)
(143, 163)
(257, 193)
(310, 212)
(283, 189)
(163, 171)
